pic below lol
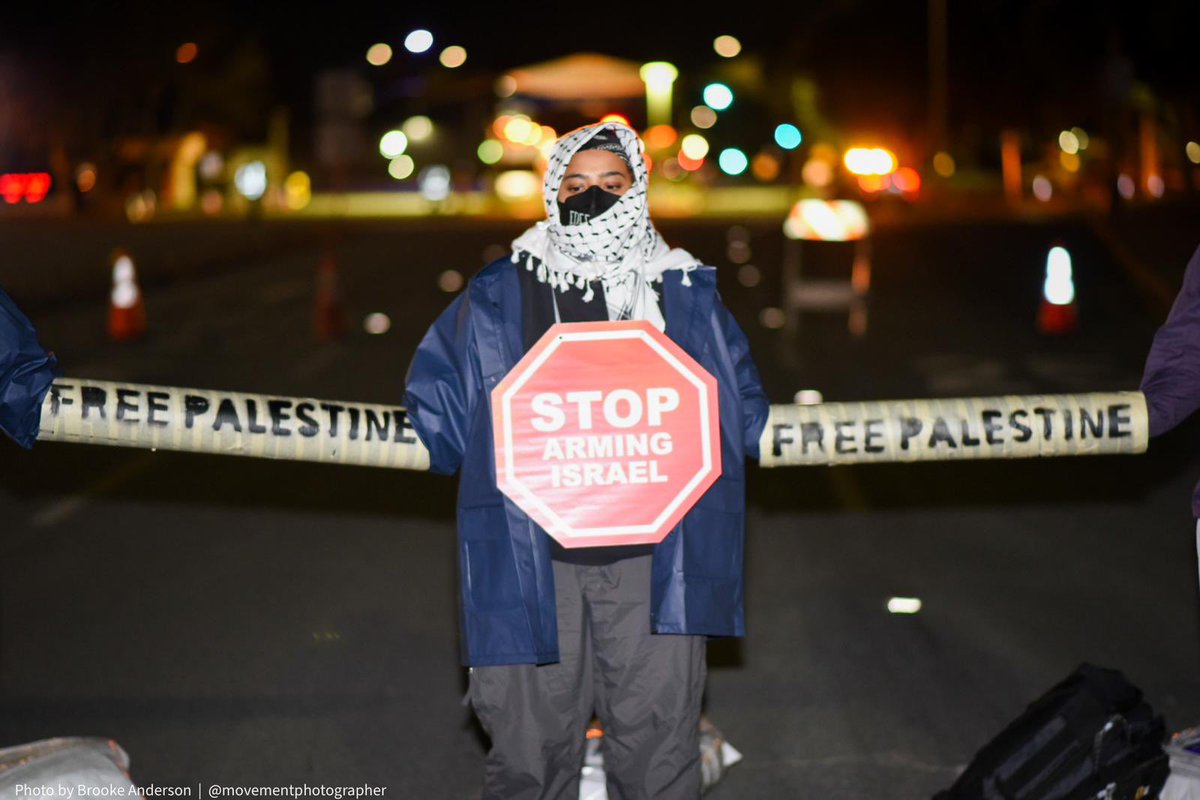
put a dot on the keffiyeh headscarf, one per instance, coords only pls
(619, 247)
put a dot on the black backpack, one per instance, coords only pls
(1091, 736)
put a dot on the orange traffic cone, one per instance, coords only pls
(126, 308)
(329, 312)
(1058, 314)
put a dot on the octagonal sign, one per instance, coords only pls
(606, 433)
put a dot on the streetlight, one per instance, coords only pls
(659, 77)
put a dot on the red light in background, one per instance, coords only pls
(907, 180)
(31, 187)
(689, 164)
(36, 187)
(186, 53)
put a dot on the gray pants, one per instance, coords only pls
(645, 688)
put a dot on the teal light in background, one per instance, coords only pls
(788, 136)
(718, 96)
(732, 161)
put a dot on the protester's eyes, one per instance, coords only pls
(575, 187)
(616, 186)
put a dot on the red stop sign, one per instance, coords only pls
(606, 433)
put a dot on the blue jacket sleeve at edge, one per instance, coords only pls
(754, 399)
(436, 393)
(26, 372)
(1171, 381)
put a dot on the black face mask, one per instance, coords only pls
(584, 206)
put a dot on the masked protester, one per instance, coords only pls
(551, 635)
(1171, 380)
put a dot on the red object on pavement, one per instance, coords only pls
(606, 433)
(1056, 320)
(329, 312)
(126, 307)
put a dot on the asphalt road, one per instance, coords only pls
(237, 622)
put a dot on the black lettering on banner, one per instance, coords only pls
(304, 413)
(334, 409)
(840, 437)
(811, 433)
(252, 418)
(94, 397)
(354, 415)
(910, 427)
(1087, 424)
(193, 406)
(1047, 415)
(123, 405)
(778, 439)
(57, 399)
(227, 415)
(1116, 420)
(278, 411)
(400, 417)
(871, 432)
(967, 439)
(941, 433)
(1068, 425)
(374, 425)
(990, 426)
(152, 406)
(1024, 432)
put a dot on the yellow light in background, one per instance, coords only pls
(615, 118)
(401, 167)
(817, 172)
(490, 151)
(1069, 161)
(1193, 152)
(694, 146)
(418, 128)
(392, 144)
(506, 86)
(1081, 137)
(672, 171)
(549, 133)
(85, 177)
(727, 46)
(943, 164)
(659, 77)
(661, 137)
(453, 56)
(379, 54)
(703, 117)
(519, 128)
(518, 184)
(869, 161)
(297, 189)
(1068, 142)
(765, 167)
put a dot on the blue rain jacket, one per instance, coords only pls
(26, 372)
(507, 609)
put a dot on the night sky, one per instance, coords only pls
(1037, 64)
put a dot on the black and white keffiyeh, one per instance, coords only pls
(619, 247)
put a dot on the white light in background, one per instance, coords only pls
(904, 605)
(251, 180)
